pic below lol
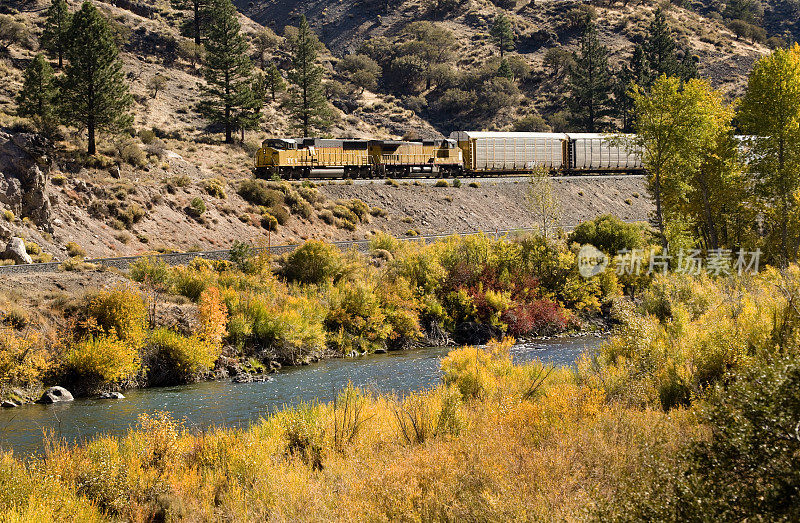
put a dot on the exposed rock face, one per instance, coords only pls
(24, 171)
(15, 250)
(56, 395)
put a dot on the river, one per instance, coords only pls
(223, 403)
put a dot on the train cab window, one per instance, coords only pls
(280, 144)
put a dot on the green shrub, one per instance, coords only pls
(74, 250)
(132, 214)
(313, 262)
(215, 188)
(197, 207)
(456, 183)
(327, 217)
(185, 355)
(384, 241)
(133, 154)
(441, 183)
(258, 192)
(474, 185)
(150, 270)
(269, 222)
(32, 248)
(280, 213)
(344, 213)
(147, 136)
(610, 234)
(243, 256)
(9, 216)
(359, 209)
(303, 209)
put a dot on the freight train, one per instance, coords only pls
(465, 153)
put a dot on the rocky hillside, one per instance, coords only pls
(358, 26)
(172, 184)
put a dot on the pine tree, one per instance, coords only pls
(94, 93)
(659, 48)
(307, 101)
(623, 102)
(227, 95)
(504, 70)
(54, 35)
(274, 81)
(35, 100)
(503, 34)
(590, 83)
(199, 18)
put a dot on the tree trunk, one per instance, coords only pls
(197, 22)
(659, 217)
(92, 149)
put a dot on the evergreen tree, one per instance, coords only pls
(199, 18)
(503, 34)
(35, 100)
(94, 94)
(54, 35)
(623, 102)
(660, 53)
(504, 70)
(274, 80)
(307, 101)
(590, 83)
(227, 96)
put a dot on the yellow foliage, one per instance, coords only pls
(104, 358)
(121, 313)
(213, 317)
(23, 358)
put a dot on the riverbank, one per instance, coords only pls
(204, 405)
(160, 325)
(460, 451)
(628, 433)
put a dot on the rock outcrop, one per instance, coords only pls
(24, 171)
(15, 250)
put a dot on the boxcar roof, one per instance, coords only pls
(467, 135)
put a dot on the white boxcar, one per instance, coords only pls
(601, 152)
(511, 152)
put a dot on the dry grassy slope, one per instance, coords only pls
(345, 24)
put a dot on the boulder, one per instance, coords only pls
(111, 396)
(8, 404)
(15, 250)
(56, 395)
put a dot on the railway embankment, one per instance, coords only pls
(496, 203)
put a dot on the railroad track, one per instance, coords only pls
(483, 180)
(183, 258)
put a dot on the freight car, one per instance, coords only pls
(466, 152)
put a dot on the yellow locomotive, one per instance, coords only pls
(294, 159)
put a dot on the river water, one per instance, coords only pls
(223, 403)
